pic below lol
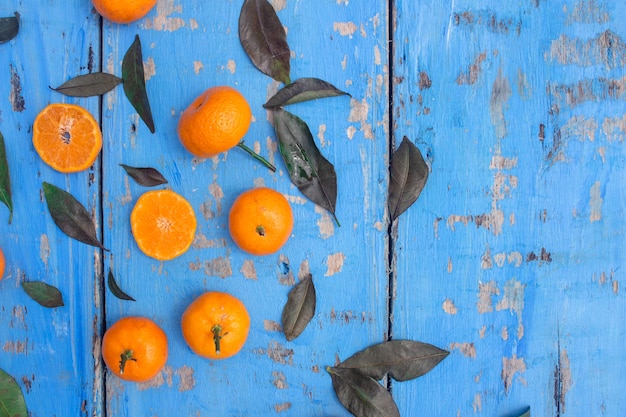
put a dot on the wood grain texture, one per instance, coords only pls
(52, 353)
(509, 259)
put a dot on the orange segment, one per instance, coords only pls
(67, 137)
(163, 224)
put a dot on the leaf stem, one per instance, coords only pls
(256, 156)
(217, 337)
(126, 356)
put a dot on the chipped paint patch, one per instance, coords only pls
(200, 241)
(231, 65)
(163, 377)
(44, 249)
(304, 270)
(513, 300)
(197, 66)
(321, 132)
(279, 380)
(486, 290)
(345, 28)
(149, 68)
(187, 381)
(218, 267)
(248, 270)
(272, 326)
(15, 96)
(511, 367)
(163, 20)
(470, 76)
(477, 404)
(277, 353)
(347, 317)
(614, 128)
(449, 307)
(595, 203)
(466, 349)
(489, 20)
(359, 111)
(491, 221)
(279, 4)
(282, 407)
(562, 381)
(498, 103)
(16, 346)
(586, 12)
(325, 223)
(594, 90)
(18, 317)
(606, 49)
(285, 274)
(334, 262)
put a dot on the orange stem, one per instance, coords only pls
(126, 356)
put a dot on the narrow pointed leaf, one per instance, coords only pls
(12, 402)
(116, 290)
(135, 82)
(148, 177)
(409, 173)
(314, 176)
(263, 37)
(361, 395)
(303, 89)
(5, 179)
(44, 294)
(88, 85)
(299, 309)
(9, 27)
(401, 359)
(71, 217)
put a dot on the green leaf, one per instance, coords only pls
(299, 309)
(314, 176)
(264, 39)
(409, 173)
(88, 85)
(303, 89)
(71, 217)
(9, 27)
(5, 179)
(44, 294)
(148, 177)
(116, 290)
(135, 83)
(12, 402)
(401, 359)
(361, 395)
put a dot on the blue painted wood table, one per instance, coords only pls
(511, 258)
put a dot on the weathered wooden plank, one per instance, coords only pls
(52, 353)
(188, 48)
(511, 256)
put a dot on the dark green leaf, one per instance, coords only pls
(401, 359)
(409, 173)
(361, 395)
(88, 85)
(71, 217)
(12, 402)
(5, 179)
(309, 171)
(9, 27)
(148, 177)
(303, 89)
(44, 294)
(264, 39)
(116, 290)
(526, 413)
(135, 82)
(299, 309)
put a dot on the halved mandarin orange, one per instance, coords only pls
(67, 137)
(163, 224)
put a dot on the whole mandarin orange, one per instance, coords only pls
(135, 348)
(123, 11)
(215, 325)
(260, 221)
(214, 122)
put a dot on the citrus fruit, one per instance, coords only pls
(214, 122)
(260, 221)
(134, 348)
(163, 224)
(67, 137)
(2, 264)
(215, 325)
(123, 11)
